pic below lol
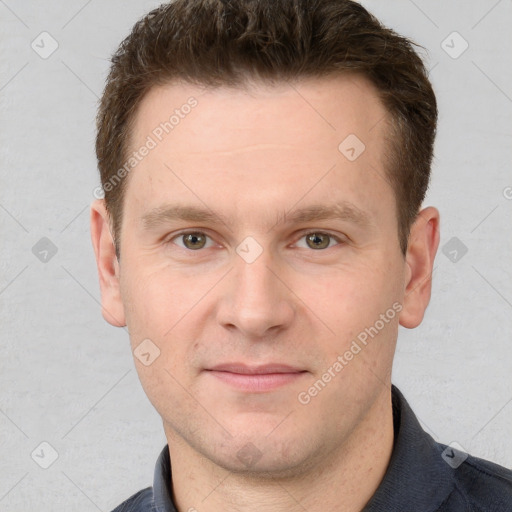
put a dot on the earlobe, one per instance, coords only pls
(421, 252)
(107, 264)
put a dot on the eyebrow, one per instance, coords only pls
(340, 211)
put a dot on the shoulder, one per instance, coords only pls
(480, 485)
(141, 501)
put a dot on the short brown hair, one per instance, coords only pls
(228, 42)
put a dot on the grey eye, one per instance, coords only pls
(194, 241)
(318, 240)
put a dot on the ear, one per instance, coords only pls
(108, 265)
(419, 261)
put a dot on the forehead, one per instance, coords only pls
(325, 135)
(255, 112)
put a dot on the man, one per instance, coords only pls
(264, 165)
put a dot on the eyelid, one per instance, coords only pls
(340, 239)
(301, 234)
(201, 231)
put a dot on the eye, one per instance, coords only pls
(318, 240)
(196, 240)
(192, 240)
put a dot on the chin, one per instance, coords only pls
(268, 456)
(262, 467)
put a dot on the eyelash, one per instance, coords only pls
(339, 240)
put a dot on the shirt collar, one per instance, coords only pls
(417, 477)
(162, 483)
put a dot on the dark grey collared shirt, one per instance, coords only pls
(422, 476)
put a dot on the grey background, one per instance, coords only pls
(67, 378)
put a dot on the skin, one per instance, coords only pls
(252, 156)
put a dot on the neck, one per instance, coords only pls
(343, 480)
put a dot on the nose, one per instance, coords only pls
(255, 298)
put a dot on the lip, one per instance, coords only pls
(256, 378)
(263, 369)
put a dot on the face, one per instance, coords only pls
(260, 258)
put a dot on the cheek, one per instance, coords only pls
(170, 308)
(156, 305)
(350, 303)
(155, 301)
(354, 291)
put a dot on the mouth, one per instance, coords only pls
(256, 379)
